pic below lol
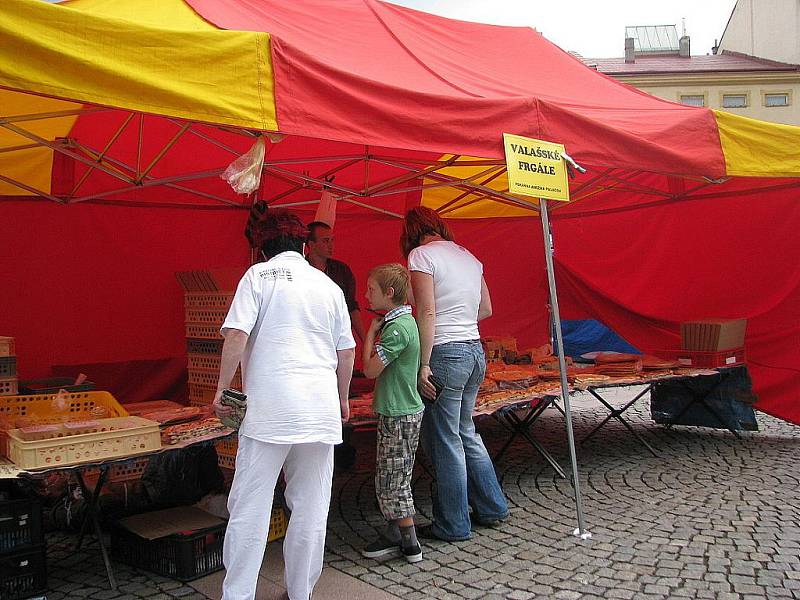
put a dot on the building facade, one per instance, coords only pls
(765, 28)
(730, 80)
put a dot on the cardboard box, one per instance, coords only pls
(713, 335)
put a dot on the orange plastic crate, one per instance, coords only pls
(205, 361)
(127, 471)
(228, 446)
(213, 300)
(208, 377)
(201, 394)
(203, 331)
(77, 406)
(214, 316)
(7, 346)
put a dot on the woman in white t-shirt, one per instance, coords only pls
(451, 297)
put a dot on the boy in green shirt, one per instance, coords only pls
(394, 360)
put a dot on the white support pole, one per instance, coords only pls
(581, 531)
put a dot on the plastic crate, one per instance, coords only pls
(226, 461)
(214, 316)
(203, 331)
(278, 523)
(8, 386)
(201, 394)
(208, 377)
(8, 366)
(20, 525)
(181, 556)
(128, 471)
(79, 406)
(204, 346)
(228, 446)
(698, 359)
(23, 574)
(53, 385)
(205, 361)
(134, 436)
(206, 300)
(7, 346)
(226, 453)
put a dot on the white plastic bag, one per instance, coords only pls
(244, 173)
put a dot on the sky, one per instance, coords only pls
(593, 29)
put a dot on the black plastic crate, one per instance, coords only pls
(201, 346)
(181, 556)
(8, 366)
(23, 574)
(52, 385)
(20, 524)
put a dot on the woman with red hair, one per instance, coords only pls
(451, 297)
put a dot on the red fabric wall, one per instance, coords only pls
(95, 284)
(86, 285)
(644, 271)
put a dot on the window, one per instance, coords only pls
(734, 100)
(776, 99)
(693, 99)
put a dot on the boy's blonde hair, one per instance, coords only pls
(392, 275)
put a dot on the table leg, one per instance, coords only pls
(92, 516)
(521, 426)
(616, 413)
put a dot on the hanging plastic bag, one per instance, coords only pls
(244, 173)
(326, 211)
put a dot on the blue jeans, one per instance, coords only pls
(465, 474)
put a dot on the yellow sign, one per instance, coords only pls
(535, 168)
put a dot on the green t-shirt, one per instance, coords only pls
(396, 389)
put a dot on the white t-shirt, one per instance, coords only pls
(297, 319)
(456, 288)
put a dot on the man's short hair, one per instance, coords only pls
(395, 276)
(281, 231)
(312, 229)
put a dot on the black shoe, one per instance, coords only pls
(426, 532)
(413, 554)
(382, 547)
(487, 522)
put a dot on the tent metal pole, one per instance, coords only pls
(581, 531)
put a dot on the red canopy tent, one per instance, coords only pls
(684, 213)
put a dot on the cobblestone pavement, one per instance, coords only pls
(712, 517)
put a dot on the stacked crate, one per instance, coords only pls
(22, 546)
(8, 367)
(205, 313)
(208, 296)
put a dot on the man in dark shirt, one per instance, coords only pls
(320, 254)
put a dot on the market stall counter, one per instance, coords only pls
(517, 395)
(50, 433)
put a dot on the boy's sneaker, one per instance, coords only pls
(382, 547)
(412, 554)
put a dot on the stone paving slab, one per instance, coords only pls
(711, 517)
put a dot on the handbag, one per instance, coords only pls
(238, 402)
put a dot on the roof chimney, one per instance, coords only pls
(684, 47)
(629, 52)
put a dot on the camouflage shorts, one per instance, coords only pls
(398, 438)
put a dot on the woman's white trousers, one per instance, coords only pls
(308, 469)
